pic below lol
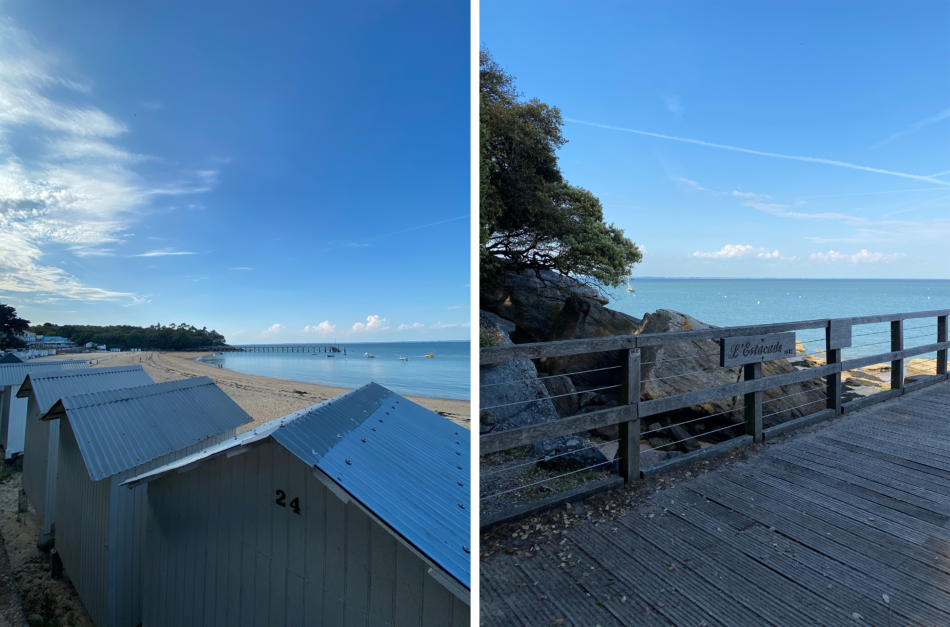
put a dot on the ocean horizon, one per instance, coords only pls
(447, 375)
(749, 301)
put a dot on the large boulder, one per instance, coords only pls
(680, 367)
(532, 301)
(581, 319)
(512, 396)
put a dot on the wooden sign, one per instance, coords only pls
(737, 351)
(839, 334)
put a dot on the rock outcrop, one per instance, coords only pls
(671, 369)
(512, 396)
(533, 303)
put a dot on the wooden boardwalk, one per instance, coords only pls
(846, 525)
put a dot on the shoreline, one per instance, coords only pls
(264, 398)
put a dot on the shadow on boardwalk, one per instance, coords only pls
(846, 524)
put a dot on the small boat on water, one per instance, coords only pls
(403, 358)
(330, 355)
(430, 356)
(370, 356)
(629, 287)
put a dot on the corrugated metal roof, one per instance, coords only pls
(49, 387)
(14, 374)
(121, 429)
(406, 464)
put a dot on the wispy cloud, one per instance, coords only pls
(861, 257)
(761, 153)
(163, 253)
(373, 323)
(690, 183)
(460, 307)
(736, 251)
(913, 128)
(273, 329)
(439, 325)
(324, 327)
(242, 268)
(406, 327)
(674, 106)
(68, 181)
(138, 300)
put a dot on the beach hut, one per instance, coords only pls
(10, 358)
(351, 512)
(41, 444)
(13, 409)
(105, 439)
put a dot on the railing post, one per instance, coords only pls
(753, 403)
(897, 344)
(629, 451)
(942, 337)
(833, 356)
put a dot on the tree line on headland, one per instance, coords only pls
(157, 337)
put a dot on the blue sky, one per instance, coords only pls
(841, 111)
(285, 172)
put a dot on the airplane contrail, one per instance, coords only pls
(698, 142)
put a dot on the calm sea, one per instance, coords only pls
(737, 302)
(445, 376)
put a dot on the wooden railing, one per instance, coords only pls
(631, 409)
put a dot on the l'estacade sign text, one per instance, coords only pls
(738, 351)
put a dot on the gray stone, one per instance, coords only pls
(563, 395)
(576, 460)
(648, 458)
(532, 302)
(505, 325)
(681, 367)
(510, 392)
(583, 319)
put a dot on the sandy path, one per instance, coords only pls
(265, 399)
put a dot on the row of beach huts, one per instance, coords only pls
(350, 512)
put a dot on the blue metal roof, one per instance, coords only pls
(49, 387)
(120, 429)
(406, 464)
(14, 374)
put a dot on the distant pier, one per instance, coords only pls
(291, 348)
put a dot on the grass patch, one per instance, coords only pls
(488, 337)
(8, 470)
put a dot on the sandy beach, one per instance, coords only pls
(265, 399)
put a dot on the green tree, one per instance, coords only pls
(10, 325)
(531, 218)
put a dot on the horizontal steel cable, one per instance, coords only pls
(680, 424)
(823, 400)
(550, 376)
(535, 400)
(544, 459)
(525, 487)
(690, 438)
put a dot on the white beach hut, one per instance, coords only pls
(105, 439)
(13, 409)
(41, 445)
(351, 512)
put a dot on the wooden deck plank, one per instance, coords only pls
(814, 529)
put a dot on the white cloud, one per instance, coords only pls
(674, 106)
(241, 332)
(416, 325)
(862, 257)
(913, 128)
(698, 142)
(439, 325)
(729, 251)
(373, 323)
(323, 327)
(460, 307)
(736, 251)
(163, 253)
(70, 184)
(273, 330)
(690, 183)
(138, 300)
